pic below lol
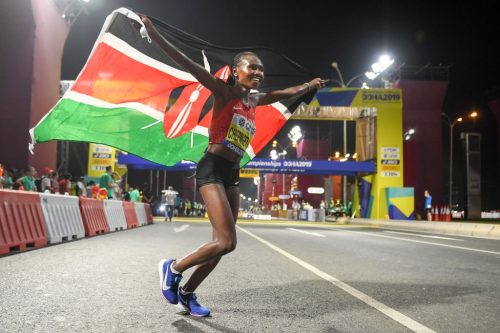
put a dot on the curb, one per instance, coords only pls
(451, 228)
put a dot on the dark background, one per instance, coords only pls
(353, 34)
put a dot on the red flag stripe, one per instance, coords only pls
(112, 76)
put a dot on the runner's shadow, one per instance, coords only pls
(185, 326)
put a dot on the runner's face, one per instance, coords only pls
(250, 72)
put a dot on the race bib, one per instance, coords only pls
(239, 134)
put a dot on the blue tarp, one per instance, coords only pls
(311, 167)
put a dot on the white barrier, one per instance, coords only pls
(140, 211)
(115, 215)
(490, 215)
(62, 217)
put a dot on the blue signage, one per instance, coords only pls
(316, 167)
(310, 167)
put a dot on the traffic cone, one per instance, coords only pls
(447, 216)
(435, 213)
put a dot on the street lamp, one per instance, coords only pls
(341, 82)
(380, 66)
(294, 135)
(384, 62)
(452, 125)
(408, 134)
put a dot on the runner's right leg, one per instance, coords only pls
(221, 217)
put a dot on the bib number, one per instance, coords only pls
(239, 134)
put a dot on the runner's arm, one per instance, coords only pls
(212, 83)
(295, 91)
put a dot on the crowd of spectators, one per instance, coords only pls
(109, 186)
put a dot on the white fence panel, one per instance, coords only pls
(140, 211)
(115, 215)
(62, 217)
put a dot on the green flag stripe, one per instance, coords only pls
(119, 127)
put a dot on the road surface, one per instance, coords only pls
(280, 278)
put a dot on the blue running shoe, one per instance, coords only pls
(191, 305)
(169, 281)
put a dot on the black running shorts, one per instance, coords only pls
(214, 169)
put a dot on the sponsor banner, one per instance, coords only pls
(318, 167)
(391, 156)
(100, 156)
(390, 150)
(313, 167)
(249, 173)
(390, 168)
(390, 174)
(389, 162)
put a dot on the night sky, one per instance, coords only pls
(352, 33)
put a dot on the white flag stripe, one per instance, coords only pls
(86, 99)
(282, 109)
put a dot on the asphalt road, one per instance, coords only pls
(281, 278)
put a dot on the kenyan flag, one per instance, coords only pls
(133, 97)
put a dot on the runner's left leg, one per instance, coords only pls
(203, 270)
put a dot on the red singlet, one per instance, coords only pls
(233, 126)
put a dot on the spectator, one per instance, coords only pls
(7, 181)
(65, 184)
(188, 207)
(102, 193)
(27, 182)
(117, 191)
(1, 176)
(134, 194)
(90, 184)
(54, 182)
(428, 205)
(95, 190)
(45, 183)
(81, 191)
(170, 198)
(322, 205)
(106, 182)
(147, 196)
(126, 196)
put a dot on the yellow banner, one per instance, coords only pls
(249, 173)
(100, 156)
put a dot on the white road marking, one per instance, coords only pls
(181, 228)
(424, 242)
(426, 236)
(391, 313)
(307, 232)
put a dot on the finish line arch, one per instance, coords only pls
(379, 137)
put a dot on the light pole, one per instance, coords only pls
(294, 135)
(341, 82)
(384, 62)
(452, 125)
